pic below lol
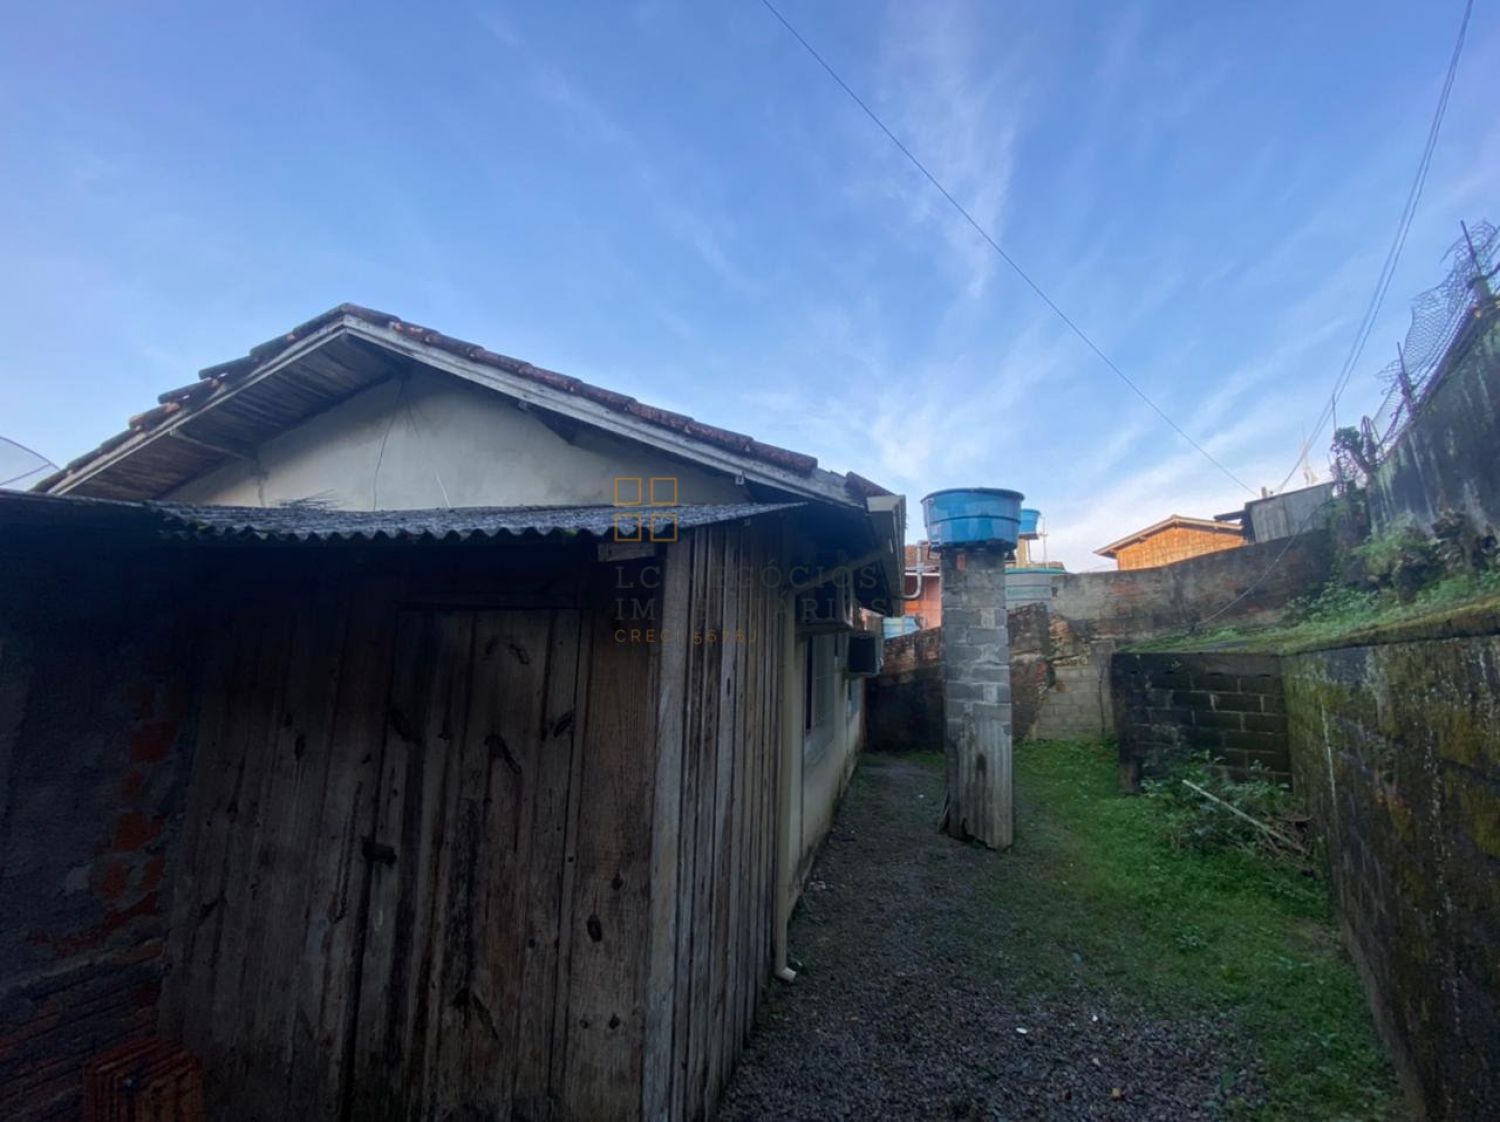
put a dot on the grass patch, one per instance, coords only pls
(1096, 895)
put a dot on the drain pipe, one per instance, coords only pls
(917, 595)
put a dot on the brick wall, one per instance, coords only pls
(92, 686)
(1395, 749)
(904, 703)
(927, 608)
(1092, 614)
(1176, 543)
(1140, 603)
(1170, 706)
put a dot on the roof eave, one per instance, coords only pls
(417, 344)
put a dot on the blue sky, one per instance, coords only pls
(672, 200)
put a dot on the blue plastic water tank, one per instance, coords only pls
(1030, 517)
(973, 516)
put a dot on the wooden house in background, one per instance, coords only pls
(1173, 539)
(409, 732)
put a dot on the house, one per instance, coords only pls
(1172, 539)
(409, 732)
(922, 587)
(1287, 514)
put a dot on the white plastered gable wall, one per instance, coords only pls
(428, 440)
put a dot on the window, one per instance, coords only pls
(809, 692)
(818, 696)
(851, 685)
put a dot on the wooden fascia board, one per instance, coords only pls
(602, 417)
(217, 397)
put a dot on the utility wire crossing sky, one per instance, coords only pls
(665, 199)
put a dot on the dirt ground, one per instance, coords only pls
(908, 1006)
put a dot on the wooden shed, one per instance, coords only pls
(476, 812)
(441, 829)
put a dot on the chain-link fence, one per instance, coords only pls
(1437, 317)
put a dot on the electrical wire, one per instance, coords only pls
(24, 474)
(993, 244)
(46, 463)
(1264, 573)
(1367, 324)
(1393, 254)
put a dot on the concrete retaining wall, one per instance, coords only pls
(1095, 613)
(1446, 459)
(1396, 750)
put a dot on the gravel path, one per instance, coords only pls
(904, 1010)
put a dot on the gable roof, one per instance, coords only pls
(236, 405)
(1171, 522)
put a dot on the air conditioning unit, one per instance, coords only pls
(866, 655)
(827, 608)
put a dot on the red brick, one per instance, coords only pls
(152, 741)
(134, 830)
(114, 880)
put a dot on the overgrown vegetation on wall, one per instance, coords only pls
(1397, 577)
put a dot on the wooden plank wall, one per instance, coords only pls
(444, 853)
(369, 907)
(269, 885)
(714, 842)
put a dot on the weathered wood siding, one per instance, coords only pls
(373, 855)
(445, 836)
(714, 847)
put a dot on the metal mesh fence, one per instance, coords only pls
(1437, 316)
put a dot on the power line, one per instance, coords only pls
(983, 233)
(1264, 573)
(24, 474)
(46, 463)
(1393, 255)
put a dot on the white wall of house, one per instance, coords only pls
(428, 440)
(831, 730)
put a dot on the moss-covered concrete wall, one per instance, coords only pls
(1446, 459)
(1396, 748)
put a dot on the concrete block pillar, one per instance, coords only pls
(976, 696)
